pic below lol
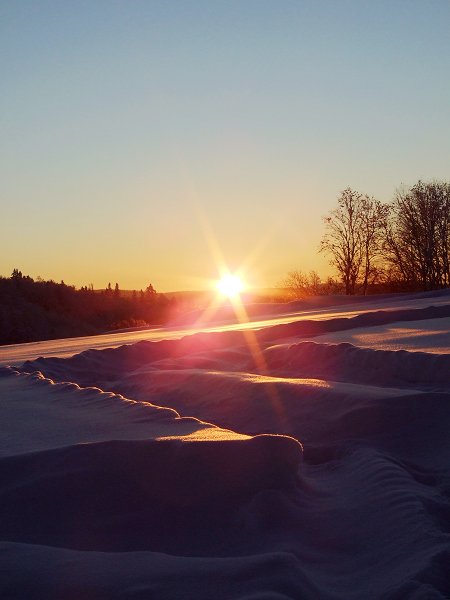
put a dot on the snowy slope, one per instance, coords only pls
(297, 455)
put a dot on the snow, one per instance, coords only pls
(301, 454)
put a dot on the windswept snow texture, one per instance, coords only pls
(303, 455)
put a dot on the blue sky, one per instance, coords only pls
(133, 133)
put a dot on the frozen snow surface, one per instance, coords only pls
(302, 454)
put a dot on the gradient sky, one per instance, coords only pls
(137, 137)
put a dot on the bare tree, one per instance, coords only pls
(417, 240)
(374, 216)
(342, 239)
(314, 283)
(354, 238)
(300, 284)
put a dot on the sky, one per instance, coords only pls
(157, 141)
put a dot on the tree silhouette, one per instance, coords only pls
(300, 284)
(150, 293)
(354, 238)
(16, 275)
(374, 216)
(342, 238)
(417, 240)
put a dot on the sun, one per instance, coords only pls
(230, 285)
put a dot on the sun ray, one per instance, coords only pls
(233, 283)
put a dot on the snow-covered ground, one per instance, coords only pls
(296, 454)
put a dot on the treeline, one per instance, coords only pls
(400, 246)
(39, 310)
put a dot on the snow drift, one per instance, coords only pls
(248, 463)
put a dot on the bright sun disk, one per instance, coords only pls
(230, 285)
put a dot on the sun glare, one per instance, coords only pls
(230, 285)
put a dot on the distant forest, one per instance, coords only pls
(39, 310)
